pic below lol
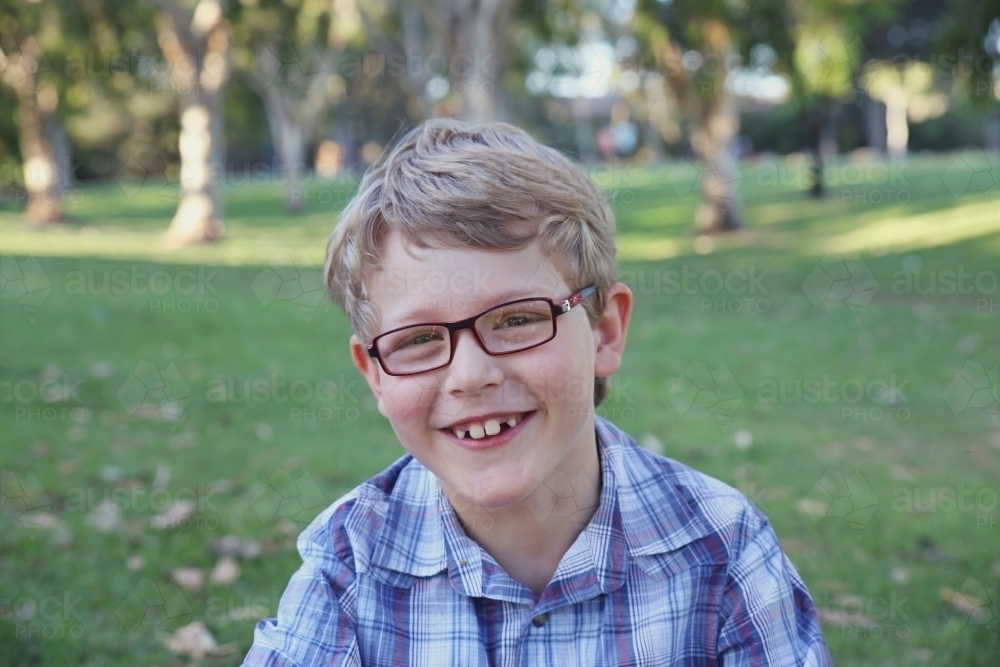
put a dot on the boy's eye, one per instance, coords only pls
(418, 338)
(518, 320)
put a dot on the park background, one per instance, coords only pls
(808, 215)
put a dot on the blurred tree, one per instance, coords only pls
(828, 57)
(971, 31)
(195, 44)
(907, 92)
(291, 52)
(697, 44)
(475, 37)
(33, 36)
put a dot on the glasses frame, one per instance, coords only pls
(558, 308)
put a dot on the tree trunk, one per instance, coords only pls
(62, 153)
(712, 113)
(824, 138)
(414, 83)
(199, 214)
(288, 139)
(292, 105)
(196, 48)
(875, 132)
(720, 209)
(897, 127)
(474, 33)
(36, 106)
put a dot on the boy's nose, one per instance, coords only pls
(472, 367)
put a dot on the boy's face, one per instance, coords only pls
(549, 388)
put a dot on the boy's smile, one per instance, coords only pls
(497, 431)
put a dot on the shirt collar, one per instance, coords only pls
(642, 512)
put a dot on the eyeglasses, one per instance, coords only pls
(510, 327)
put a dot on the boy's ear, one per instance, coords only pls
(369, 368)
(611, 330)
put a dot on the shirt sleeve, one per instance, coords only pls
(315, 624)
(768, 616)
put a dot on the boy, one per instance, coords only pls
(477, 268)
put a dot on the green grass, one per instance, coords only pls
(909, 454)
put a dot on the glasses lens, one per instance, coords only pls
(516, 326)
(415, 349)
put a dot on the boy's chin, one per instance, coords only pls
(494, 496)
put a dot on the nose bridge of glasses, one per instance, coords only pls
(466, 327)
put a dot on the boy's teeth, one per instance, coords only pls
(489, 427)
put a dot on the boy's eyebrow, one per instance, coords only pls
(427, 314)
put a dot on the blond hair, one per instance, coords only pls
(448, 184)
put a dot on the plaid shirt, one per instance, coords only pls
(674, 568)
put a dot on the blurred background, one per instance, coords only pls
(808, 204)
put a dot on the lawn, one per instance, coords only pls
(837, 362)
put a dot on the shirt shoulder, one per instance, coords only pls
(347, 529)
(669, 504)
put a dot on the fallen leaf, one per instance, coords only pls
(183, 440)
(902, 473)
(652, 443)
(974, 607)
(162, 477)
(102, 370)
(225, 572)
(193, 640)
(842, 618)
(743, 439)
(47, 521)
(812, 507)
(223, 650)
(106, 516)
(264, 430)
(179, 512)
(231, 545)
(189, 578)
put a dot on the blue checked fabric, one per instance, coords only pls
(674, 568)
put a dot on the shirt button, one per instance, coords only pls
(540, 620)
